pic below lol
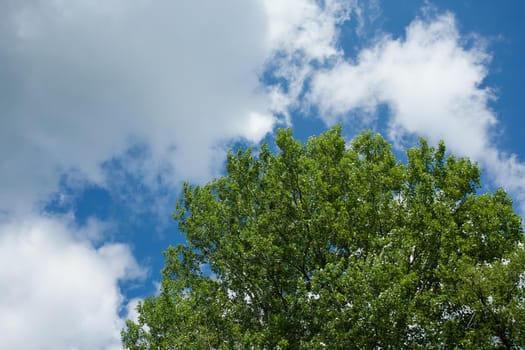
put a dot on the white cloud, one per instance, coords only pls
(58, 291)
(257, 126)
(428, 80)
(81, 81)
(432, 82)
(305, 26)
(301, 33)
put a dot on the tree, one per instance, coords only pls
(327, 246)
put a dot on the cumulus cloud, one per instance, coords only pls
(58, 291)
(82, 81)
(432, 82)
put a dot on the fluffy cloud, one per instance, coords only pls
(82, 81)
(432, 82)
(58, 291)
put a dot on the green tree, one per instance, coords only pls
(324, 245)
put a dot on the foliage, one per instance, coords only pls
(329, 245)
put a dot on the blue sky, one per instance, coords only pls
(108, 106)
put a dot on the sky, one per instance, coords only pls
(108, 106)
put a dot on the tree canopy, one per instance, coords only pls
(338, 245)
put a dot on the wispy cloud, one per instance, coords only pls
(302, 34)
